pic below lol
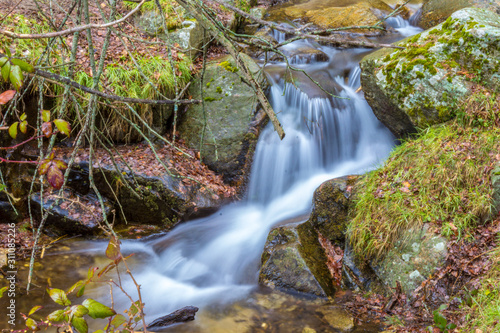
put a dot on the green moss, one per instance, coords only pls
(228, 67)
(218, 90)
(209, 99)
(433, 179)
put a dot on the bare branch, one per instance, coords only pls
(72, 30)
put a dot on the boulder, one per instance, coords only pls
(294, 260)
(434, 12)
(227, 126)
(162, 200)
(422, 84)
(334, 14)
(329, 214)
(7, 212)
(74, 214)
(414, 257)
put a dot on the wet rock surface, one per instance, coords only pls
(74, 214)
(294, 260)
(421, 85)
(331, 207)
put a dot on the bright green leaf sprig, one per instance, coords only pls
(12, 69)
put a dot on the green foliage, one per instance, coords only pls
(440, 321)
(441, 177)
(484, 313)
(77, 315)
(125, 79)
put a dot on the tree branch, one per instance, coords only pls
(72, 30)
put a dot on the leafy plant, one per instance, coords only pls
(77, 316)
(440, 321)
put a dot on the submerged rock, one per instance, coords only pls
(225, 129)
(434, 12)
(422, 84)
(294, 260)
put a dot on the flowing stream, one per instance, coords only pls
(214, 261)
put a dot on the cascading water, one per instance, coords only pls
(215, 260)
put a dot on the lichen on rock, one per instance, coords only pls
(422, 84)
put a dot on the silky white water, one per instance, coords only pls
(216, 259)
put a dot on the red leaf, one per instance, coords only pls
(6, 96)
(47, 129)
(55, 176)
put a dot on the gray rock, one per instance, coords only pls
(329, 214)
(232, 119)
(421, 85)
(411, 261)
(74, 214)
(157, 200)
(434, 12)
(294, 260)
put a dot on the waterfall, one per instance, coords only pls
(216, 259)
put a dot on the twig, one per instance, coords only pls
(72, 30)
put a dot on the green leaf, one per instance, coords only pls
(439, 320)
(13, 130)
(77, 284)
(442, 307)
(80, 324)
(2, 290)
(7, 51)
(46, 115)
(56, 316)
(451, 326)
(59, 296)
(63, 126)
(23, 127)
(23, 65)
(34, 309)
(16, 77)
(78, 311)
(3, 60)
(80, 292)
(31, 324)
(118, 320)
(6, 71)
(134, 308)
(98, 310)
(113, 249)
(23, 117)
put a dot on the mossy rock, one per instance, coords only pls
(330, 208)
(154, 200)
(412, 260)
(434, 12)
(422, 84)
(227, 126)
(294, 260)
(495, 184)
